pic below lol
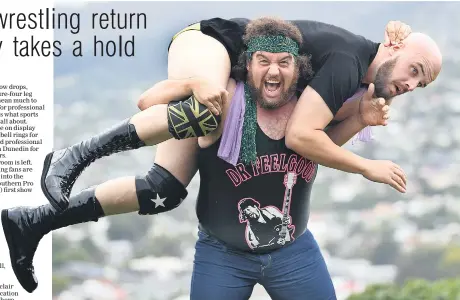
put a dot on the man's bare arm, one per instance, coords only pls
(306, 136)
(341, 133)
(177, 89)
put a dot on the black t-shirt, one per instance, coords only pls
(245, 206)
(340, 59)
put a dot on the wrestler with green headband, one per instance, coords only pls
(254, 193)
(163, 187)
(271, 44)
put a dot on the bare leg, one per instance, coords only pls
(208, 59)
(152, 124)
(194, 54)
(184, 61)
(118, 196)
(62, 167)
(177, 156)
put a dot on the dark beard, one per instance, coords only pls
(381, 79)
(256, 93)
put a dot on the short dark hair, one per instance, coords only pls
(243, 204)
(246, 202)
(271, 26)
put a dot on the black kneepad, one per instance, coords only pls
(159, 191)
(189, 118)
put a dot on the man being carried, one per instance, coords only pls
(24, 227)
(342, 62)
(253, 214)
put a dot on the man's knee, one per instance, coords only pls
(159, 191)
(189, 118)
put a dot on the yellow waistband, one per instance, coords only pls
(195, 26)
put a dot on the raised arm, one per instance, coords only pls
(395, 32)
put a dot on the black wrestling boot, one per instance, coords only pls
(62, 168)
(24, 227)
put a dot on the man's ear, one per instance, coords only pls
(249, 59)
(395, 48)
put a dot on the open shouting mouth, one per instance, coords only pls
(272, 88)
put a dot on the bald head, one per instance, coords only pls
(413, 63)
(421, 45)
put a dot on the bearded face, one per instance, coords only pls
(383, 85)
(272, 78)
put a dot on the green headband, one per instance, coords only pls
(273, 44)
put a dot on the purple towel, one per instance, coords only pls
(229, 149)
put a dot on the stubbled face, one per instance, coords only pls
(252, 212)
(403, 73)
(272, 78)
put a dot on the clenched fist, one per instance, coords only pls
(373, 111)
(395, 32)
